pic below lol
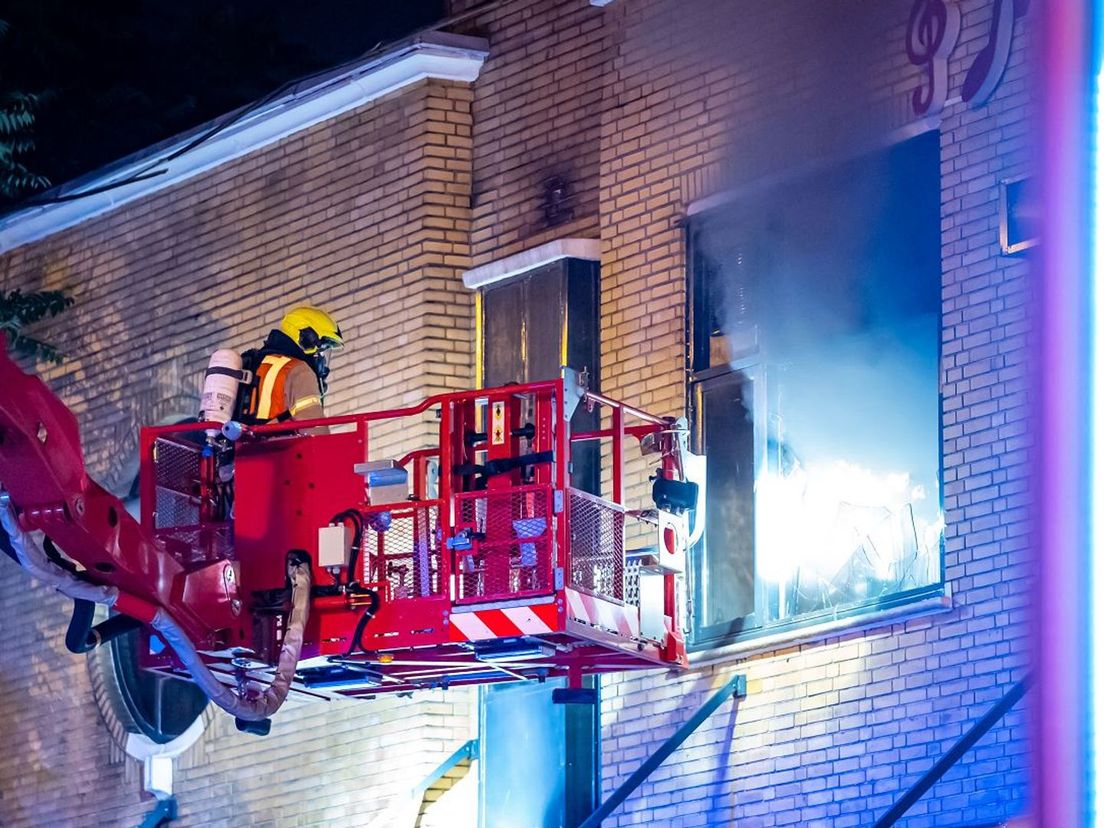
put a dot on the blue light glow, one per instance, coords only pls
(1096, 437)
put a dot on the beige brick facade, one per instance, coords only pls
(367, 215)
(645, 107)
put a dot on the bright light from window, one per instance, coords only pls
(834, 524)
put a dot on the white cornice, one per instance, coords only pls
(534, 257)
(430, 55)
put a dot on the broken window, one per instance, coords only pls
(815, 306)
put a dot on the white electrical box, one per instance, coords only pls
(333, 545)
(433, 479)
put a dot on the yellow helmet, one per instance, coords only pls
(311, 329)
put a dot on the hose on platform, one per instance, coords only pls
(253, 707)
(83, 636)
(80, 626)
(33, 558)
(369, 613)
(259, 706)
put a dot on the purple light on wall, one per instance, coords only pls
(1061, 381)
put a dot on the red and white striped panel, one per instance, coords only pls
(535, 619)
(616, 618)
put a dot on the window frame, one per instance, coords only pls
(714, 640)
(735, 629)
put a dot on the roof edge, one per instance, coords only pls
(437, 55)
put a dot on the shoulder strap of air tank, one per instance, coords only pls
(251, 361)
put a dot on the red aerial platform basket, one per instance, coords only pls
(469, 561)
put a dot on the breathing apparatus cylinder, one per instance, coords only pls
(220, 388)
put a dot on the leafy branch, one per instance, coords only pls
(17, 115)
(19, 309)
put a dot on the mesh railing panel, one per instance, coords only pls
(176, 476)
(400, 546)
(597, 545)
(178, 491)
(512, 546)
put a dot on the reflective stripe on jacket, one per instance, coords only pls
(285, 387)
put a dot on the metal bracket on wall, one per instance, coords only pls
(734, 688)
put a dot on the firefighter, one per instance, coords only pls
(291, 368)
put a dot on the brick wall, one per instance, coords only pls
(537, 115)
(698, 98)
(644, 107)
(367, 215)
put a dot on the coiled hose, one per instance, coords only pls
(252, 707)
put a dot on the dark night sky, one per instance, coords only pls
(121, 75)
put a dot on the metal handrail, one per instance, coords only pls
(164, 812)
(957, 751)
(466, 752)
(734, 688)
(404, 808)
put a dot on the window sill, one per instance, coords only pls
(740, 650)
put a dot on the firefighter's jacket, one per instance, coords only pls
(286, 386)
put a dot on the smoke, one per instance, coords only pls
(823, 270)
(801, 80)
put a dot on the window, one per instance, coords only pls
(815, 330)
(536, 322)
(530, 325)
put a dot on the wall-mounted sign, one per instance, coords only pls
(498, 423)
(932, 34)
(986, 70)
(1019, 216)
(933, 30)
